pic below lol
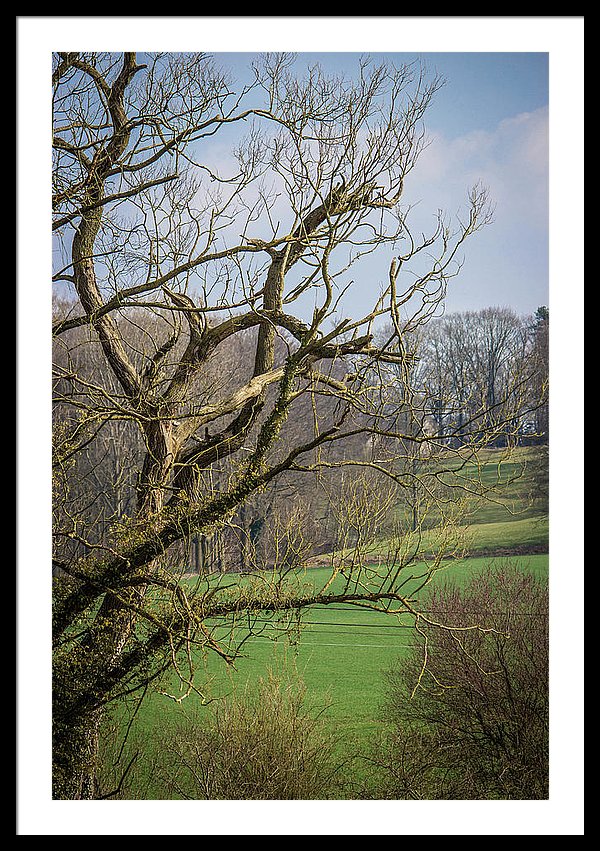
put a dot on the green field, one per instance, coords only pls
(498, 512)
(340, 653)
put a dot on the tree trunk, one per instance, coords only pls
(75, 757)
(79, 701)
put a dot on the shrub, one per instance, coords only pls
(261, 744)
(467, 710)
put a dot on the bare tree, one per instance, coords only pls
(210, 302)
(473, 361)
(467, 708)
(540, 355)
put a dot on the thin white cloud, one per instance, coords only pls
(512, 161)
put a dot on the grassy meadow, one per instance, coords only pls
(340, 652)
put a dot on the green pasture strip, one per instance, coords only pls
(503, 534)
(485, 538)
(505, 478)
(509, 534)
(341, 653)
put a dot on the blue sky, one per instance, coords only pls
(488, 123)
(482, 88)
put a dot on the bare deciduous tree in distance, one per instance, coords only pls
(176, 265)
